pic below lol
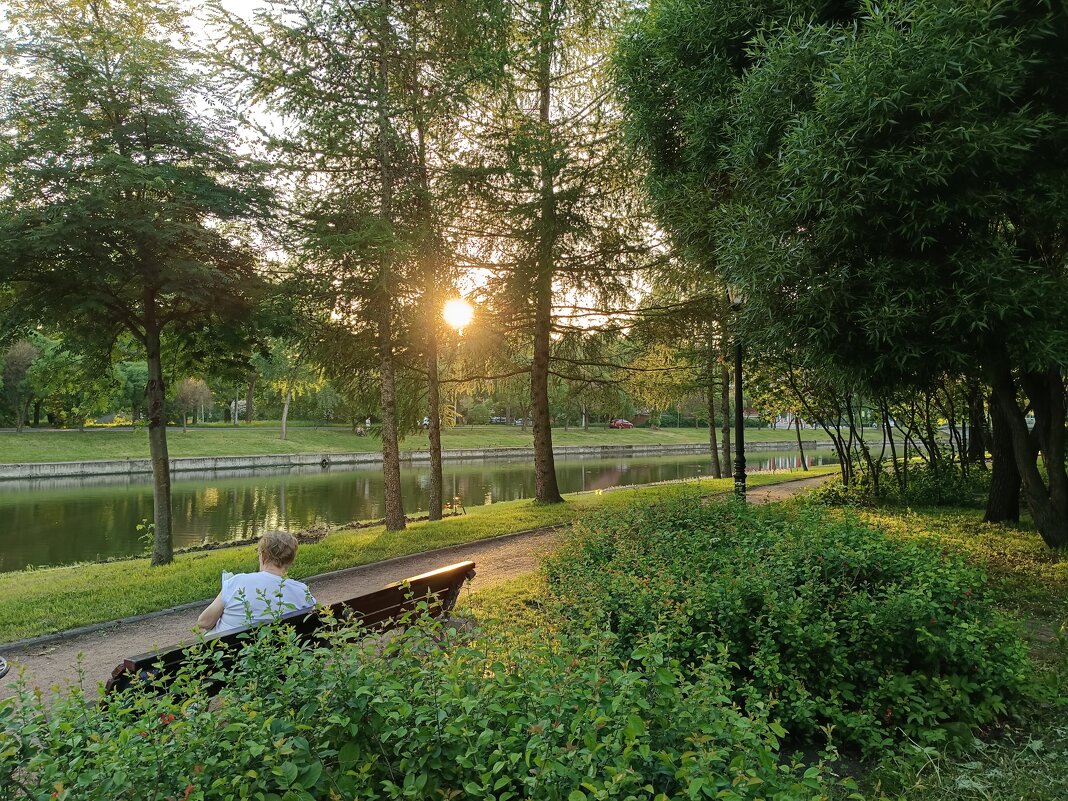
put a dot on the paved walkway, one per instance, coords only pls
(98, 652)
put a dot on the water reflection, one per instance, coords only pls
(58, 521)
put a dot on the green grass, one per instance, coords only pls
(1026, 758)
(34, 602)
(102, 443)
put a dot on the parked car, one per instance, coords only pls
(499, 421)
(519, 421)
(621, 424)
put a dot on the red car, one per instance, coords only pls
(621, 424)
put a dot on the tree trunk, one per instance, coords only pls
(1003, 499)
(285, 411)
(888, 432)
(710, 398)
(1048, 505)
(546, 489)
(37, 413)
(725, 398)
(20, 414)
(434, 431)
(388, 390)
(800, 444)
(431, 246)
(185, 423)
(155, 389)
(251, 386)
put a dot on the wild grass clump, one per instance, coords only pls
(428, 713)
(846, 632)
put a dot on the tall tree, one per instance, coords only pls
(17, 363)
(556, 205)
(122, 189)
(886, 181)
(369, 94)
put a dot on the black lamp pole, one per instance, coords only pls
(736, 298)
(739, 423)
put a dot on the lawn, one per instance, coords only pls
(34, 602)
(103, 443)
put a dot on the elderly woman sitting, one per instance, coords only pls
(248, 598)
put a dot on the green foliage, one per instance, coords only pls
(842, 629)
(428, 713)
(944, 485)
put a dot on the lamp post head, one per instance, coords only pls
(735, 296)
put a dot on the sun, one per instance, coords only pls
(458, 313)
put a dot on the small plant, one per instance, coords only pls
(146, 532)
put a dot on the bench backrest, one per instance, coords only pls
(375, 611)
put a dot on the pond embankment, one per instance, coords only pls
(106, 467)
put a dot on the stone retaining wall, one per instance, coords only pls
(209, 463)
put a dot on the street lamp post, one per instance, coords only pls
(736, 299)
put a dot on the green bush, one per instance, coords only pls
(842, 629)
(429, 713)
(946, 486)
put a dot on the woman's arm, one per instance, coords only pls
(210, 616)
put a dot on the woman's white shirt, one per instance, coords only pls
(256, 597)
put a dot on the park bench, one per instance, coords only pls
(377, 611)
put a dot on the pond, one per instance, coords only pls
(61, 521)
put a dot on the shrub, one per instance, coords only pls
(945, 486)
(844, 630)
(425, 714)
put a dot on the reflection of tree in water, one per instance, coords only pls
(61, 521)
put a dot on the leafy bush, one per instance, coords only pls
(844, 630)
(425, 714)
(945, 486)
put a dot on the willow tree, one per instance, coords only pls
(555, 216)
(367, 97)
(122, 191)
(887, 181)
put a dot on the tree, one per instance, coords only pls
(660, 379)
(555, 208)
(886, 182)
(288, 372)
(72, 386)
(17, 363)
(371, 95)
(123, 192)
(189, 395)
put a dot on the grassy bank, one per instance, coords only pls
(75, 446)
(42, 601)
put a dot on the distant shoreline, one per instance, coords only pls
(136, 466)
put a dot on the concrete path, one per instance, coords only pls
(96, 653)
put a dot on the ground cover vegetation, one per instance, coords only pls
(46, 600)
(537, 696)
(1021, 755)
(851, 634)
(432, 712)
